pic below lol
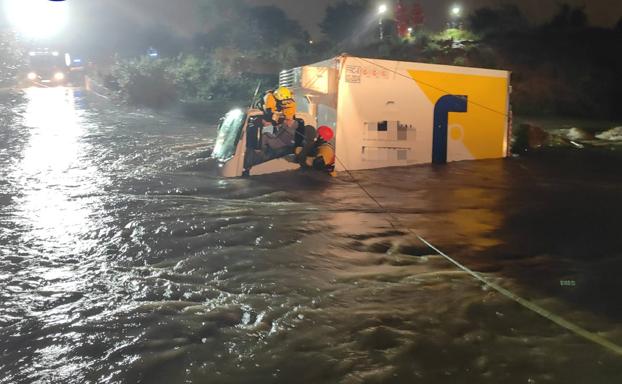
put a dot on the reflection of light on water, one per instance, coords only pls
(52, 116)
(52, 167)
(477, 224)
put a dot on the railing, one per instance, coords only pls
(290, 77)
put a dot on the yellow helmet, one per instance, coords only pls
(269, 102)
(289, 109)
(283, 93)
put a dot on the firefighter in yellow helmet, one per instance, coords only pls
(283, 93)
(269, 107)
(282, 142)
(273, 103)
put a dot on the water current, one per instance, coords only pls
(123, 259)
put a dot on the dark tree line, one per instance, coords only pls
(563, 66)
(11, 58)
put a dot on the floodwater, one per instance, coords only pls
(124, 260)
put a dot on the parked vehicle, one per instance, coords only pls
(47, 68)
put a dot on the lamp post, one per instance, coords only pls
(382, 9)
(456, 10)
(38, 21)
(455, 14)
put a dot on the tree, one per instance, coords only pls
(244, 43)
(248, 28)
(402, 19)
(11, 58)
(221, 12)
(569, 17)
(162, 38)
(271, 25)
(418, 16)
(578, 18)
(489, 21)
(342, 20)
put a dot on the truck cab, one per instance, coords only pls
(46, 68)
(238, 139)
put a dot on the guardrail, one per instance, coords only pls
(94, 87)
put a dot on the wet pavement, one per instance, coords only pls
(123, 259)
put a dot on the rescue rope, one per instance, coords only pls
(575, 329)
(392, 220)
(470, 100)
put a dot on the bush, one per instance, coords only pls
(200, 79)
(12, 59)
(145, 81)
(188, 78)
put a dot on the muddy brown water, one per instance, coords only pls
(124, 260)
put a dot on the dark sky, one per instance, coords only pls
(180, 14)
(600, 12)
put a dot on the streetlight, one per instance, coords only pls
(456, 14)
(382, 9)
(456, 10)
(37, 21)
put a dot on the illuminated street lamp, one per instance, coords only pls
(382, 9)
(456, 11)
(36, 20)
(455, 14)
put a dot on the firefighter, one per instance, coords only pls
(321, 156)
(282, 142)
(269, 107)
(273, 103)
(282, 94)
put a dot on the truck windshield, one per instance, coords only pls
(46, 61)
(229, 135)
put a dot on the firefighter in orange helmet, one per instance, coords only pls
(321, 156)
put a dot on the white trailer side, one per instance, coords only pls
(392, 113)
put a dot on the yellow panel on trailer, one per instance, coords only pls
(393, 113)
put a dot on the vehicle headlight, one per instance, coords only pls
(59, 76)
(32, 76)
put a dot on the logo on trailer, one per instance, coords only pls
(469, 120)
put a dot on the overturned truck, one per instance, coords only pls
(384, 114)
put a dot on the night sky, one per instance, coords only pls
(179, 14)
(181, 17)
(601, 12)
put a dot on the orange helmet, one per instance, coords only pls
(326, 133)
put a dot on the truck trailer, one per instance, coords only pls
(386, 113)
